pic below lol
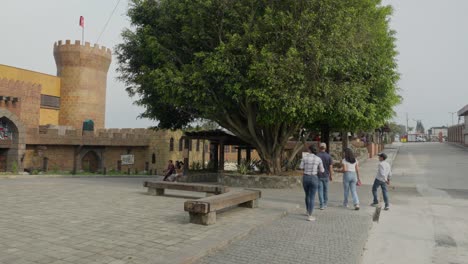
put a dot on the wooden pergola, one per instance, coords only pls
(218, 139)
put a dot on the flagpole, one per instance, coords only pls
(82, 29)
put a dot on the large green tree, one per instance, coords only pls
(263, 69)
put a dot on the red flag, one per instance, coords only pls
(81, 21)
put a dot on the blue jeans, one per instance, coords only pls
(382, 185)
(310, 184)
(349, 182)
(323, 191)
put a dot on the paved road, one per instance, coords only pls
(428, 222)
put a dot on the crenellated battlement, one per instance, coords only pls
(14, 84)
(64, 135)
(77, 46)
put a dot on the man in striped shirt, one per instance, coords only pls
(311, 164)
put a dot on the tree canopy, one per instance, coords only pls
(262, 69)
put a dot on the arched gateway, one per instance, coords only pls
(12, 142)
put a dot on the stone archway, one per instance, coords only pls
(89, 159)
(13, 141)
(90, 162)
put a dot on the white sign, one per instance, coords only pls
(127, 159)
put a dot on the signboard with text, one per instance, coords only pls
(127, 159)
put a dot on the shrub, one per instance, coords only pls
(14, 167)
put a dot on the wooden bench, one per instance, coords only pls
(203, 211)
(157, 188)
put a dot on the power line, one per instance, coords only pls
(108, 20)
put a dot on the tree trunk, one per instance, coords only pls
(273, 163)
(344, 139)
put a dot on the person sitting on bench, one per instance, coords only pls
(169, 171)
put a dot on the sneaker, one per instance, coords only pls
(386, 208)
(356, 207)
(322, 208)
(325, 206)
(345, 205)
(311, 218)
(374, 204)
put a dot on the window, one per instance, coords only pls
(181, 144)
(190, 145)
(198, 145)
(153, 158)
(171, 144)
(50, 101)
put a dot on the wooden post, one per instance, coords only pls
(203, 155)
(186, 154)
(221, 156)
(248, 154)
(214, 155)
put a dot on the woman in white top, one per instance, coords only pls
(350, 177)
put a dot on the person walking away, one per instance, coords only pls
(324, 177)
(311, 164)
(169, 171)
(382, 179)
(350, 177)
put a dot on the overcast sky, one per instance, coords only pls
(432, 42)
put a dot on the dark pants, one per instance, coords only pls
(382, 185)
(310, 184)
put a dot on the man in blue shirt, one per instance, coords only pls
(325, 176)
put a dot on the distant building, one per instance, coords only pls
(459, 133)
(434, 131)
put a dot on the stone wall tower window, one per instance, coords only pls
(171, 144)
(181, 144)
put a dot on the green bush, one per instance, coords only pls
(246, 166)
(196, 165)
(14, 167)
(210, 165)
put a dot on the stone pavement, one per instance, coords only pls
(112, 220)
(339, 235)
(99, 220)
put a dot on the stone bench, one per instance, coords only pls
(203, 211)
(158, 187)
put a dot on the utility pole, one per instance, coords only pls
(452, 116)
(407, 132)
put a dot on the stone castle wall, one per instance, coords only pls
(83, 73)
(27, 107)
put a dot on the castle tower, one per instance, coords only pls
(83, 74)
